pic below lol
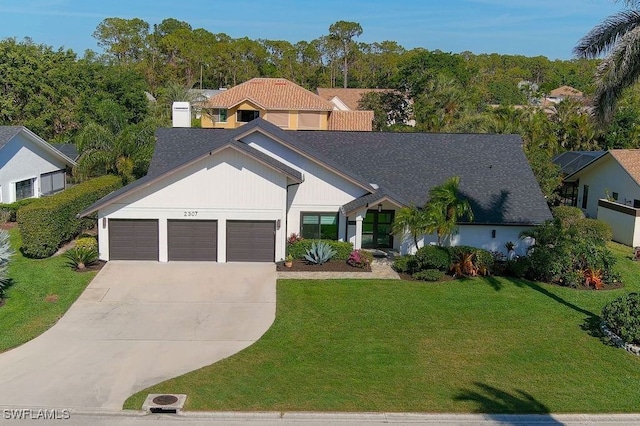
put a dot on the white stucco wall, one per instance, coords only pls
(322, 190)
(606, 174)
(476, 236)
(22, 159)
(227, 186)
(625, 227)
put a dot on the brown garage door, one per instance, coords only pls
(251, 241)
(133, 239)
(193, 240)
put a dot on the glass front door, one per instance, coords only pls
(376, 229)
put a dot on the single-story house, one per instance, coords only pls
(570, 162)
(236, 195)
(608, 188)
(30, 167)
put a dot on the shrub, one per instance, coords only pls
(87, 242)
(471, 261)
(567, 215)
(360, 259)
(299, 248)
(429, 275)
(594, 229)
(484, 261)
(319, 253)
(13, 208)
(51, 221)
(294, 238)
(518, 267)
(405, 264)
(622, 316)
(563, 252)
(433, 257)
(81, 257)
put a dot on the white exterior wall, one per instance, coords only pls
(321, 191)
(625, 227)
(610, 176)
(476, 236)
(226, 186)
(22, 159)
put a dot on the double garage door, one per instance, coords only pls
(192, 240)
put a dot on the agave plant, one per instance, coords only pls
(319, 253)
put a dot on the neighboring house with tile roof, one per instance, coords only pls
(281, 102)
(349, 99)
(608, 188)
(30, 167)
(237, 194)
(563, 92)
(345, 99)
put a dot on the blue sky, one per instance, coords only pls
(528, 27)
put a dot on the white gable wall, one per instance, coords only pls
(606, 174)
(22, 159)
(226, 186)
(322, 190)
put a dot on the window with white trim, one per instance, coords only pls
(53, 182)
(319, 226)
(24, 189)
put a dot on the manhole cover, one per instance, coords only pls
(165, 400)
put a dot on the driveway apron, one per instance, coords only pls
(137, 324)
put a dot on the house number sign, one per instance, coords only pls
(192, 213)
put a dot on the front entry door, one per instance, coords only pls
(376, 229)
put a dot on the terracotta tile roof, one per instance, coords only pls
(350, 97)
(271, 94)
(629, 159)
(351, 121)
(566, 91)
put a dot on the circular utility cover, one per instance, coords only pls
(165, 400)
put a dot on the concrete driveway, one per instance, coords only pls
(136, 324)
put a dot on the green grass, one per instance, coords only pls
(26, 314)
(491, 345)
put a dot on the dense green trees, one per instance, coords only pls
(64, 98)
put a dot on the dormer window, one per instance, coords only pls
(245, 116)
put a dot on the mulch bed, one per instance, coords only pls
(330, 266)
(8, 225)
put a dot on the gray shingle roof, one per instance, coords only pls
(494, 173)
(7, 133)
(68, 149)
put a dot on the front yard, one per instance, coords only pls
(42, 291)
(480, 345)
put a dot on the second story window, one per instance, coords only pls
(245, 116)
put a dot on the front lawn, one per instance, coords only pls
(42, 291)
(493, 345)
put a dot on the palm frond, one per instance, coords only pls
(618, 71)
(606, 35)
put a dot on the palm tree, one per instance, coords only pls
(414, 220)
(617, 37)
(445, 207)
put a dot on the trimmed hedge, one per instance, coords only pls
(12, 208)
(622, 316)
(298, 249)
(433, 257)
(52, 221)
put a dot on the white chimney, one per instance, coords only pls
(181, 113)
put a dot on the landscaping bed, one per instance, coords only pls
(331, 266)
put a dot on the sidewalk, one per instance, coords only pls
(380, 270)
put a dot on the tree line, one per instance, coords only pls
(100, 100)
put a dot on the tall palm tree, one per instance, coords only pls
(412, 219)
(445, 207)
(617, 37)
